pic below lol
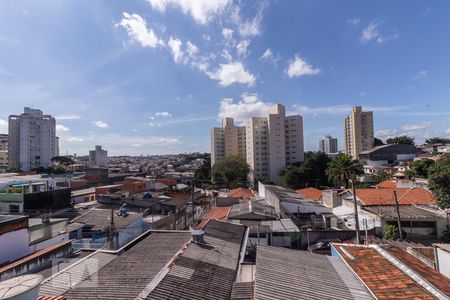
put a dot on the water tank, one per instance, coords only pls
(23, 287)
(197, 236)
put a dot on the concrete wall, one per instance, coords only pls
(443, 260)
(14, 245)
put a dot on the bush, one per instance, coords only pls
(390, 232)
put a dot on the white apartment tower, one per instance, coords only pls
(31, 140)
(98, 157)
(358, 132)
(228, 140)
(328, 145)
(273, 142)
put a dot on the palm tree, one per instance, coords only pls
(343, 168)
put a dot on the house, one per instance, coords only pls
(84, 195)
(158, 265)
(241, 193)
(392, 273)
(311, 193)
(216, 213)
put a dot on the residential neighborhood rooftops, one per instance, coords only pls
(253, 210)
(406, 212)
(290, 274)
(100, 218)
(385, 275)
(241, 193)
(386, 197)
(311, 193)
(216, 213)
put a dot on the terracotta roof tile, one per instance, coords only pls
(216, 213)
(385, 196)
(387, 184)
(240, 193)
(51, 298)
(311, 193)
(431, 275)
(167, 181)
(385, 280)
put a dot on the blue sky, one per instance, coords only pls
(153, 76)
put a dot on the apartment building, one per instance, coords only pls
(273, 142)
(228, 140)
(359, 133)
(32, 139)
(328, 145)
(98, 157)
(3, 142)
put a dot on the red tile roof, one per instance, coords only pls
(167, 181)
(51, 298)
(440, 281)
(385, 280)
(216, 213)
(386, 197)
(241, 193)
(311, 193)
(387, 184)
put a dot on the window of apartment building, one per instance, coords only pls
(14, 209)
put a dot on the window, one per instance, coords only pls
(14, 209)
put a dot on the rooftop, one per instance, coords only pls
(407, 212)
(311, 193)
(241, 193)
(100, 218)
(216, 213)
(292, 274)
(385, 196)
(253, 210)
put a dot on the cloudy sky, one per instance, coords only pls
(153, 76)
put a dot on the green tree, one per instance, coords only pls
(439, 180)
(232, 171)
(381, 176)
(437, 140)
(202, 175)
(309, 173)
(378, 142)
(63, 160)
(404, 139)
(390, 232)
(343, 168)
(420, 168)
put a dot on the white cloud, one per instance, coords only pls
(242, 48)
(206, 38)
(61, 128)
(74, 140)
(3, 126)
(339, 109)
(154, 124)
(226, 55)
(68, 117)
(249, 27)
(192, 49)
(266, 55)
(203, 11)
(354, 22)
(386, 133)
(101, 124)
(233, 72)
(227, 33)
(446, 121)
(447, 131)
(137, 29)
(421, 74)
(250, 105)
(372, 33)
(164, 114)
(175, 47)
(419, 126)
(299, 67)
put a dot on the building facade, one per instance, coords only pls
(3, 142)
(359, 133)
(3, 161)
(32, 140)
(273, 142)
(228, 140)
(98, 157)
(328, 145)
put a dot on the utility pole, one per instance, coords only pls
(356, 211)
(400, 233)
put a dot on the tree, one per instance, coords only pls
(390, 232)
(311, 172)
(343, 168)
(420, 168)
(437, 140)
(404, 139)
(232, 171)
(63, 160)
(439, 180)
(381, 175)
(378, 142)
(203, 174)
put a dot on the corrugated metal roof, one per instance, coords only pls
(100, 218)
(407, 212)
(70, 277)
(292, 274)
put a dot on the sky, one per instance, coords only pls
(154, 76)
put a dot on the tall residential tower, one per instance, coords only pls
(328, 145)
(31, 140)
(358, 132)
(228, 140)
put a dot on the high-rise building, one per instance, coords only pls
(98, 157)
(32, 138)
(328, 145)
(358, 132)
(273, 142)
(228, 140)
(3, 142)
